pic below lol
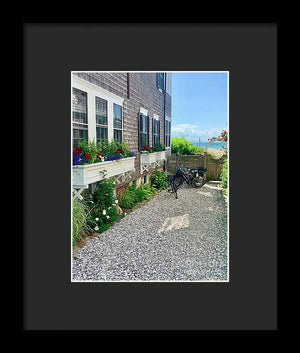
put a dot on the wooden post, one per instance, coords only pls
(205, 159)
(177, 160)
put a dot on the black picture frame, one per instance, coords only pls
(49, 300)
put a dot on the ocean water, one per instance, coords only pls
(216, 144)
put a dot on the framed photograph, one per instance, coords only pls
(150, 176)
(145, 205)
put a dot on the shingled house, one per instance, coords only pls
(131, 107)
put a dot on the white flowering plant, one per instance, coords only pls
(101, 202)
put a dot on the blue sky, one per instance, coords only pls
(199, 105)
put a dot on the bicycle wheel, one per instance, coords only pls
(174, 189)
(178, 182)
(197, 182)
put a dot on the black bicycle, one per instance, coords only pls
(191, 176)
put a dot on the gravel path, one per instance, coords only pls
(164, 240)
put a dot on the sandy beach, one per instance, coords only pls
(216, 153)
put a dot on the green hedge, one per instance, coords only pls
(184, 147)
(224, 175)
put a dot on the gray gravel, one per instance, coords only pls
(164, 240)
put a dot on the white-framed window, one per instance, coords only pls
(143, 125)
(118, 123)
(101, 119)
(168, 132)
(169, 83)
(155, 130)
(79, 115)
(97, 119)
(160, 81)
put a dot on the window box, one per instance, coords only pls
(90, 173)
(160, 156)
(148, 158)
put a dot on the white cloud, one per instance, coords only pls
(193, 132)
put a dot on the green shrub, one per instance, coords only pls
(148, 190)
(134, 192)
(80, 212)
(224, 174)
(184, 147)
(102, 211)
(140, 194)
(132, 195)
(159, 180)
(127, 199)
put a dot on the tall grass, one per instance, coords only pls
(80, 216)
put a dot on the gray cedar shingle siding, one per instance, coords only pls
(143, 93)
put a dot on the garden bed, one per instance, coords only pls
(88, 235)
(101, 210)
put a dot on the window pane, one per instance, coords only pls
(118, 135)
(79, 132)
(75, 133)
(145, 124)
(83, 134)
(101, 111)
(101, 134)
(169, 83)
(79, 106)
(117, 116)
(145, 140)
(100, 119)
(155, 132)
(144, 131)
(161, 80)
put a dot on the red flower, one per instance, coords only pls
(87, 155)
(98, 156)
(120, 150)
(77, 150)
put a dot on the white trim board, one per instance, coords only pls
(144, 111)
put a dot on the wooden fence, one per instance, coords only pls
(213, 166)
